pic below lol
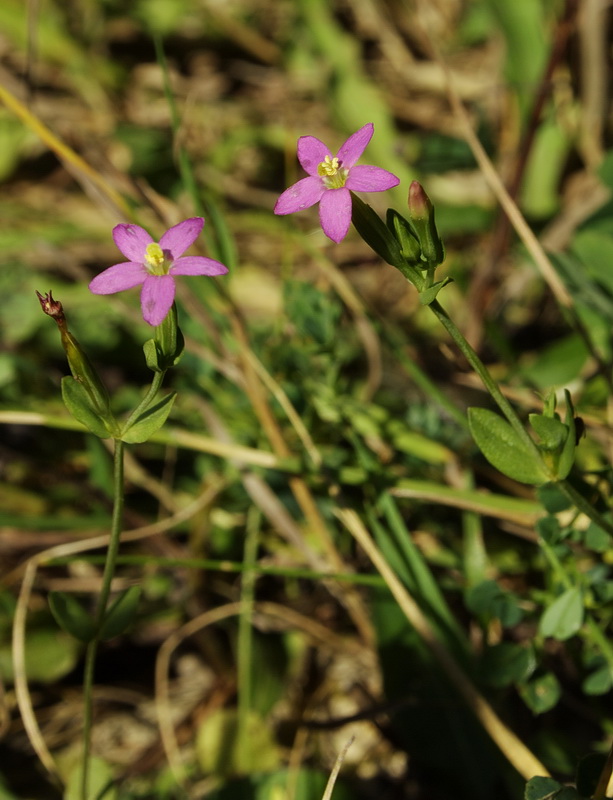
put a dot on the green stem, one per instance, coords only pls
(585, 507)
(107, 578)
(156, 384)
(482, 371)
(245, 626)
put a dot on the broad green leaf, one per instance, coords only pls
(503, 448)
(564, 617)
(599, 681)
(149, 421)
(71, 616)
(487, 599)
(552, 498)
(121, 613)
(50, 654)
(542, 693)
(77, 401)
(541, 788)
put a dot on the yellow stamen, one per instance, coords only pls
(329, 166)
(154, 259)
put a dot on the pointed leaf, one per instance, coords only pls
(71, 616)
(429, 295)
(503, 448)
(149, 421)
(121, 613)
(77, 401)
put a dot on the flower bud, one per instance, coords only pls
(81, 367)
(421, 215)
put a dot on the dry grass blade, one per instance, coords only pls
(524, 761)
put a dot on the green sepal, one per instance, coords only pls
(567, 457)
(78, 401)
(153, 355)
(149, 421)
(377, 235)
(120, 614)
(71, 616)
(406, 238)
(503, 448)
(165, 350)
(551, 431)
(169, 339)
(429, 295)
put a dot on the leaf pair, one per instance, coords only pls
(75, 620)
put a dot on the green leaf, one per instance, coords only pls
(77, 401)
(71, 616)
(487, 599)
(541, 788)
(149, 421)
(564, 617)
(121, 613)
(429, 295)
(541, 694)
(552, 498)
(50, 654)
(503, 448)
(598, 682)
(506, 663)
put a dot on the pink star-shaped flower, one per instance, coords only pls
(154, 265)
(331, 179)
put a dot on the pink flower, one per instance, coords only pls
(331, 178)
(154, 265)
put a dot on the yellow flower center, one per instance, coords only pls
(155, 260)
(332, 174)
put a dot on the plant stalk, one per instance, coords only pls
(107, 578)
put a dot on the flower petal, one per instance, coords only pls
(177, 239)
(131, 240)
(156, 298)
(119, 277)
(197, 265)
(303, 194)
(355, 146)
(370, 179)
(335, 213)
(311, 152)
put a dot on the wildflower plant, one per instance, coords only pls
(541, 453)
(154, 266)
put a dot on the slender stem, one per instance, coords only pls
(107, 578)
(482, 371)
(585, 507)
(156, 383)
